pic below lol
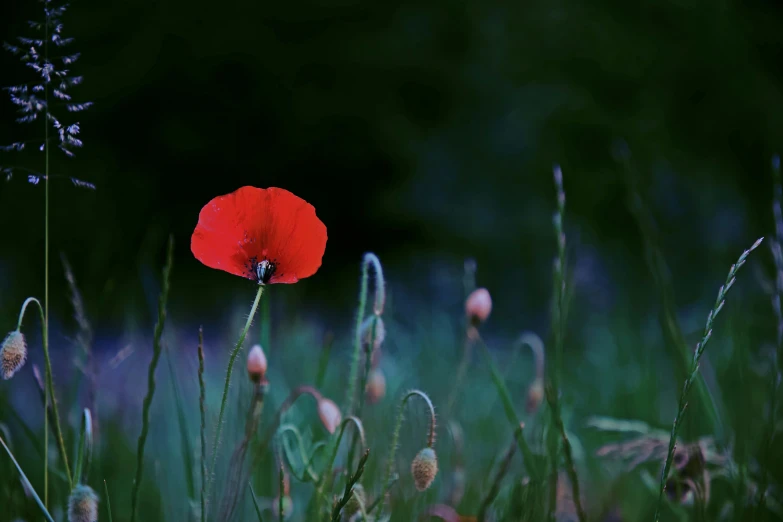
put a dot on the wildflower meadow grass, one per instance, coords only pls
(405, 411)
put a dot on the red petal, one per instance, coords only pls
(253, 223)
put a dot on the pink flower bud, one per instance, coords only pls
(478, 305)
(376, 386)
(330, 414)
(256, 364)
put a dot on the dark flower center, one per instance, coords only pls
(264, 271)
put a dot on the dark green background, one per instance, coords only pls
(423, 131)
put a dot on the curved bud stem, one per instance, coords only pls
(378, 304)
(396, 434)
(49, 383)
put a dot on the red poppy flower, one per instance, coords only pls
(267, 235)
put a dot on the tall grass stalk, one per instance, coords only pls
(156, 352)
(232, 358)
(719, 302)
(49, 390)
(558, 327)
(203, 429)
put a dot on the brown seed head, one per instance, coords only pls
(83, 505)
(256, 364)
(424, 468)
(376, 386)
(330, 414)
(478, 306)
(13, 354)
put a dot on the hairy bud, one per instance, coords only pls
(330, 414)
(424, 468)
(376, 386)
(256, 364)
(83, 505)
(13, 354)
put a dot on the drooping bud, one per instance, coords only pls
(367, 331)
(478, 306)
(13, 354)
(256, 364)
(357, 501)
(376, 386)
(330, 414)
(83, 505)
(424, 468)
(535, 394)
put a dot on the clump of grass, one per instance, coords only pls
(203, 426)
(719, 302)
(156, 351)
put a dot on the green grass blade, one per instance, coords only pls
(84, 453)
(108, 500)
(27, 482)
(156, 351)
(255, 502)
(184, 440)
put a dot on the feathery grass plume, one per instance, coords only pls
(495, 488)
(424, 468)
(349, 484)
(156, 351)
(396, 436)
(551, 389)
(203, 427)
(13, 354)
(227, 383)
(378, 304)
(28, 487)
(661, 274)
(83, 505)
(49, 399)
(719, 302)
(776, 246)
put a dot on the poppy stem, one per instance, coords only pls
(229, 370)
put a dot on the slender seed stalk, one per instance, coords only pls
(202, 408)
(229, 370)
(694, 371)
(108, 500)
(552, 388)
(49, 392)
(352, 480)
(156, 352)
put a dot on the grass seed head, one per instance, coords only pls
(83, 505)
(357, 501)
(330, 414)
(478, 306)
(256, 364)
(424, 468)
(13, 354)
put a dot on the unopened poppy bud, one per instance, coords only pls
(367, 331)
(424, 468)
(83, 505)
(535, 394)
(13, 354)
(478, 306)
(357, 501)
(256, 364)
(330, 414)
(376, 386)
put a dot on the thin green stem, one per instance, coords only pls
(156, 352)
(255, 502)
(229, 370)
(380, 299)
(202, 408)
(27, 482)
(396, 434)
(108, 500)
(694, 371)
(352, 480)
(327, 472)
(49, 386)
